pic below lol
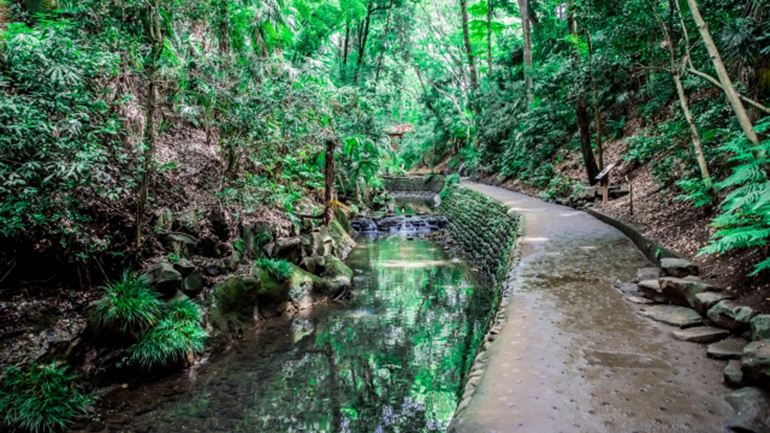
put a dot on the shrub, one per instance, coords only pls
(128, 304)
(178, 335)
(450, 180)
(278, 269)
(745, 218)
(44, 399)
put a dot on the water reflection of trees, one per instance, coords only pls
(392, 360)
(398, 365)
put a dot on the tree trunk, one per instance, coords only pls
(344, 71)
(224, 30)
(524, 10)
(384, 46)
(156, 38)
(331, 145)
(489, 38)
(362, 45)
(727, 84)
(597, 107)
(469, 52)
(580, 108)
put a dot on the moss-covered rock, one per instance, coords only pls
(338, 275)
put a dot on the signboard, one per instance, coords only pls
(606, 170)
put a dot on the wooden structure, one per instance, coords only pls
(397, 131)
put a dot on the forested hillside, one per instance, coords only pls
(141, 133)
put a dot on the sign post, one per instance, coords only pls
(603, 177)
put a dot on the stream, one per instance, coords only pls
(391, 359)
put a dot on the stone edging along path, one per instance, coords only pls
(567, 353)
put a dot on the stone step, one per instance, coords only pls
(732, 348)
(652, 290)
(674, 315)
(682, 291)
(678, 268)
(701, 334)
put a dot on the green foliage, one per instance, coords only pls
(279, 269)
(45, 398)
(129, 304)
(176, 337)
(56, 131)
(452, 179)
(745, 218)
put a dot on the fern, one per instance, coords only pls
(745, 218)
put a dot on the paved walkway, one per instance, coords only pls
(574, 355)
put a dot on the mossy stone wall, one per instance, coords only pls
(484, 228)
(428, 183)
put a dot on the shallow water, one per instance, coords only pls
(391, 359)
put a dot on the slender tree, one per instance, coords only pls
(580, 105)
(469, 53)
(724, 78)
(155, 32)
(525, 28)
(490, 9)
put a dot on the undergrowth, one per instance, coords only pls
(278, 269)
(45, 398)
(177, 336)
(129, 304)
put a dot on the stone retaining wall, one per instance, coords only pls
(486, 231)
(433, 183)
(484, 228)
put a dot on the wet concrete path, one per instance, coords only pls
(574, 355)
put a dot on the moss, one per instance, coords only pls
(238, 295)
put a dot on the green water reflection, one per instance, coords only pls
(390, 360)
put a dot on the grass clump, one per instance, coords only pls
(278, 269)
(43, 399)
(178, 335)
(129, 304)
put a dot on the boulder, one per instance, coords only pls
(651, 289)
(677, 268)
(760, 327)
(232, 261)
(701, 334)
(192, 285)
(254, 236)
(288, 249)
(185, 267)
(728, 315)
(209, 246)
(705, 300)
(732, 348)
(219, 224)
(164, 278)
(238, 297)
(682, 317)
(649, 273)
(179, 244)
(339, 275)
(752, 410)
(682, 291)
(304, 288)
(187, 222)
(732, 373)
(756, 361)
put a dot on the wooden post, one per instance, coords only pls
(605, 190)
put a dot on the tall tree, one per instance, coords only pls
(525, 28)
(676, 69)
(469, 53)
(580, 104)
(155, 32)
(490, 10)
(724, 78)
